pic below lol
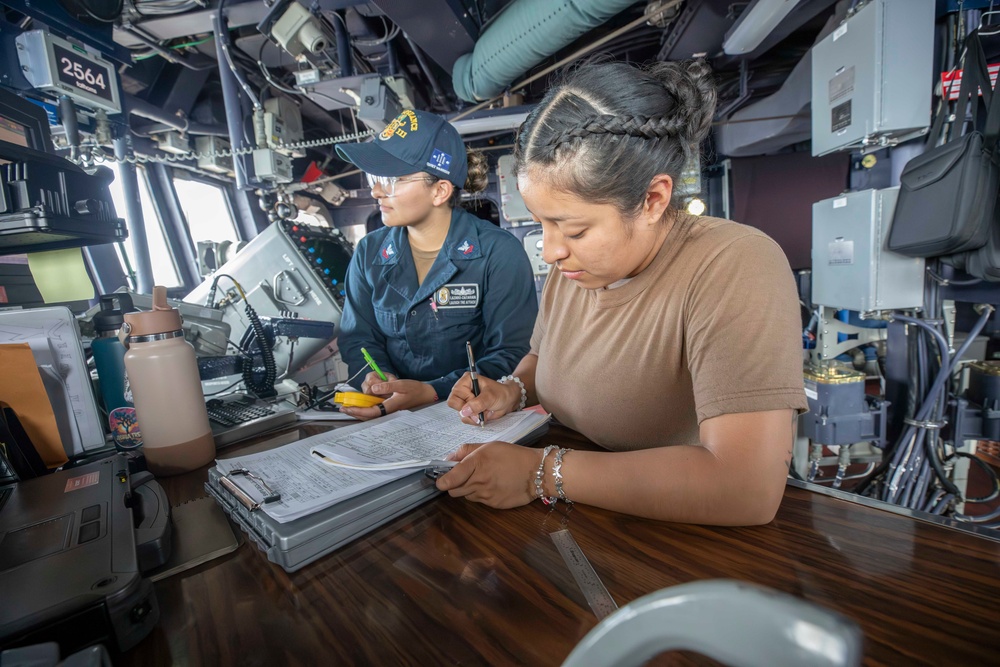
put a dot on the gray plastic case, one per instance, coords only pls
(69, 571)
(297, 543)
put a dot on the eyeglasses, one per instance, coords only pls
(388, 183)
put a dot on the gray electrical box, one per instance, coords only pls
(282, 123)
(289, 269)
(850, 266)
(379, 104)
(511, 204)
(533, 246)
(871, 77)
(270, 165)
(209, 149)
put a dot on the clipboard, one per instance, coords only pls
(297, 543)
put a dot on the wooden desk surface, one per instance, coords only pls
(455, 582)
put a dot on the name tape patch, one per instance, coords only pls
(457, 295)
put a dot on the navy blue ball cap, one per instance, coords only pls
(414, 141)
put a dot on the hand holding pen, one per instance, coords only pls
(475, 379)
(494, 401)
(372, 364)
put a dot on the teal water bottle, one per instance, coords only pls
(109, 358)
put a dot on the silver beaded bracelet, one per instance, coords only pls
(524, 392)
(540, 475)
(557, 474)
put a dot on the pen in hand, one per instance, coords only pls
(475, 379)
(372, 364)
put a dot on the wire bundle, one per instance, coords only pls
(913, 473)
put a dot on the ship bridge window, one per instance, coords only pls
(206, 211)
(164, 269)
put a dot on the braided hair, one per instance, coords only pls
(609, 128)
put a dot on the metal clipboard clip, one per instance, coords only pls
(269, 494)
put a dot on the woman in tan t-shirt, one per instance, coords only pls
(671, 340)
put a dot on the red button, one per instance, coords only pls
(302, 238)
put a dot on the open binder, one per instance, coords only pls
(359, 501)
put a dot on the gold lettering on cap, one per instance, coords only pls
(398, 125)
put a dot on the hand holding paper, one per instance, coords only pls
(421, 439)
(345, 462)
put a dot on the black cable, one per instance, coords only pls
(987, 469)
(941, 280)
(322, 398)
(210, 302)
(264, 388)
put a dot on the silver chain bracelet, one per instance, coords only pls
(557, 474)
(540, 476)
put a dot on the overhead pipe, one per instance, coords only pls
(166, 53)
(525, 34)
(141, 107)
(231, 98)
(343, 47)
(67, 114)
(394, 68)
(133, 217)
(439, 94)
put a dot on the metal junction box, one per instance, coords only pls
(511, 204)
(850, 266)
(288, 270)
(871, 77)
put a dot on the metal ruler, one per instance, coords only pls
(597, 595)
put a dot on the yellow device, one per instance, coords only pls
(354, 399)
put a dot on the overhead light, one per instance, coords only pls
(756, 22)
(696, 206)
(510, 121)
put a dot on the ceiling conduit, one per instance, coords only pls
(525, 34)
(773, 123)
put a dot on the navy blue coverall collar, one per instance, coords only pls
(460, 245)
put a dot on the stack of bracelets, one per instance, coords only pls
(556, 476)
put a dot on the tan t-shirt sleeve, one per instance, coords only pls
(743, 331)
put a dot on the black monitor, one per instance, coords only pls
(47, 202)
(23, 123)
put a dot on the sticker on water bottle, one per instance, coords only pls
(125, 428)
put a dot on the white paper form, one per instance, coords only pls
(54, 339)
(418, 439)
(306, 485)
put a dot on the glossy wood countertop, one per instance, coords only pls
(455, 582)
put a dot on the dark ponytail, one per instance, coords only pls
(609, 128)
(477, 180)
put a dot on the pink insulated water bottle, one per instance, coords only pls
(169, 403)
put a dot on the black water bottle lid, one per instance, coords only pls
(109, 318)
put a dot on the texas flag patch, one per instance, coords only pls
(388, 251)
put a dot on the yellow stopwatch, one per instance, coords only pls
(354, 399)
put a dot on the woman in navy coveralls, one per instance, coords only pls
(435, 276)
